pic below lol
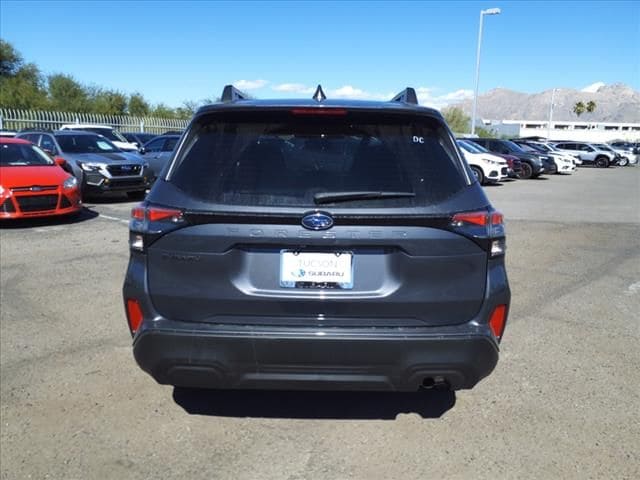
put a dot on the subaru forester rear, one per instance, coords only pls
(317, 244)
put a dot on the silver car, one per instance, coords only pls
(590, 153)
(97, 163)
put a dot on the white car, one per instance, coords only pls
(551, 148)
(486, 167)
(106, 131)
(566, 163)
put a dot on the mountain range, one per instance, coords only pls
(614, 103)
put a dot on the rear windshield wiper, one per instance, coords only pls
(330, 197)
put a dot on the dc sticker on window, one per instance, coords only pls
(417, 139)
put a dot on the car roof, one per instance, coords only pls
(14, 140)
(58, 132)
(251, 104)
(80, 126)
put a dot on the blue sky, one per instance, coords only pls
(174, 51)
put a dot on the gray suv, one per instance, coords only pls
(317, 244)
(97, 163)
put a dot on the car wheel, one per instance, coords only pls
(137, 195)
(623, 162)
(527, 171)
(602, 162)
(477, 172)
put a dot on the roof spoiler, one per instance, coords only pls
(408, 95)
(232, 94)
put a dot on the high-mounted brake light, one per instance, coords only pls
(320, 111)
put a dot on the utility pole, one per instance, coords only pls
(553, 96)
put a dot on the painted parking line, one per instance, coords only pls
(115, 219)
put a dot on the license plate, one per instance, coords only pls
(316, 269)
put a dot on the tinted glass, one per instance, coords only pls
(30, 137)
(47, 143)
(282, 159)
(170, 144)
(512, 147)
(85, 144)
(471, 147)
(16, 155)
(155, 145)
(107, 133)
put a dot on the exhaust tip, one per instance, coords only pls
(436, 383)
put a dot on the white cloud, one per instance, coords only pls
(249, 84)
(593, 88)
(349, 91)
(293, 88)
(428, 98)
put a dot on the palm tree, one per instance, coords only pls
(579, 108)
(591, 106)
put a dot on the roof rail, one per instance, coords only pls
(408, 95)
(231, 94)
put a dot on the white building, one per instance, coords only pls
(579, 131)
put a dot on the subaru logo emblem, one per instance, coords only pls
(317, 221)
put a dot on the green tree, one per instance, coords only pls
(591, 106)
(108, 102)
(457, 120)
(67, 94)
(485, 133)
(21, 85)
(163, 111)
(578, 108)
(10, 60)
(138, 106)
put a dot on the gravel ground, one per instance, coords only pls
(564, 401)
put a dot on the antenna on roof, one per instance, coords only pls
(319, 96)
(408, 95)
(231, 94)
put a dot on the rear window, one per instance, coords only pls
(284, 159)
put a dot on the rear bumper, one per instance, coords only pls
(214, 356)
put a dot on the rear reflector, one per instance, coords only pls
(134, 315)
(320, 111)
(497, 320)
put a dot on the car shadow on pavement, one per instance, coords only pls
(24, 223)
(314, 405)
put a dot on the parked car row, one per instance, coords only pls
(104, 160)
(36, 168)
(528, 158)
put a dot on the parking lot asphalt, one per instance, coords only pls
(564, 401)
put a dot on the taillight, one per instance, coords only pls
(497, 320)
(156, 214)
(134, 315)
(143, 215)
(482, 218)
(480, 225)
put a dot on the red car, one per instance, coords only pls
(33, 185)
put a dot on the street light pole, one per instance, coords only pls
(553, 96)
(490, 11)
